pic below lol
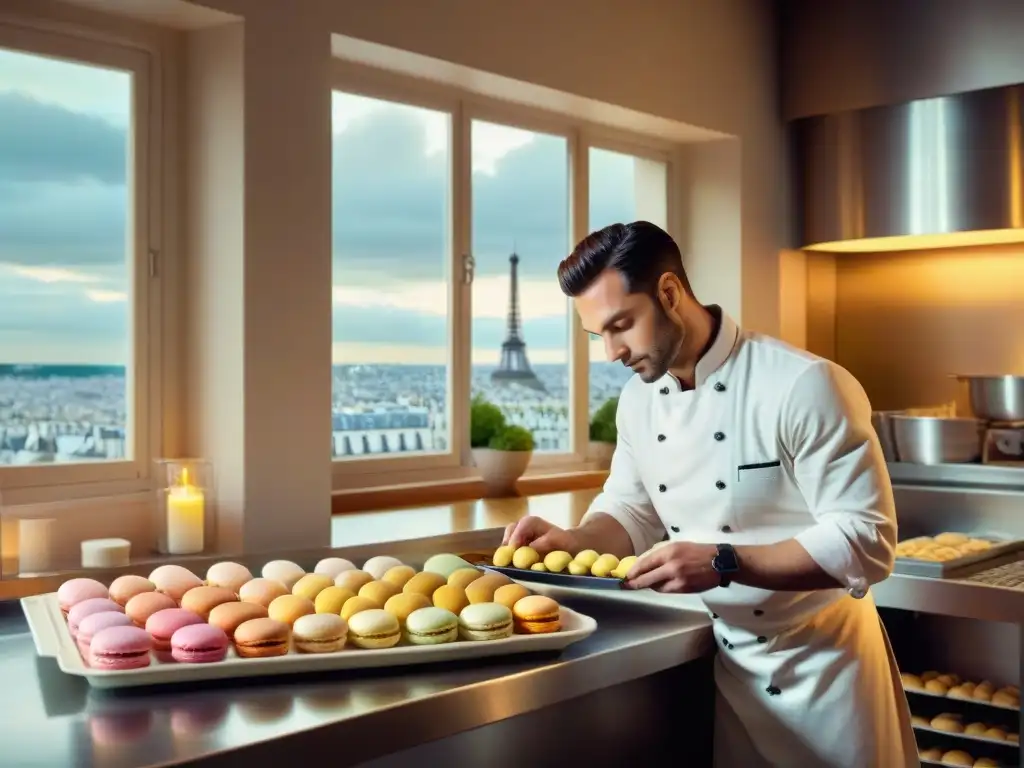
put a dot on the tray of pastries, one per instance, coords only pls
(588, 569)
(944, 554)
(173, 626)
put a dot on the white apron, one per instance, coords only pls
(775, 444)
(822, 693)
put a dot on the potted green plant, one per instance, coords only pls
(603, 433)
(501, 451)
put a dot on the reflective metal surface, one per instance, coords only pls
(960, 478)
(996, 398)
(882, 422)
(934, 440)
(53, 719)
(934, 166)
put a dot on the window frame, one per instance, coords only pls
(465, 106)
(95, 47)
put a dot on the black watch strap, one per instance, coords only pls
(726, 564)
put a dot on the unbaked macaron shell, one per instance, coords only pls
(199, 644)
(75, 591)
(88, 607)
(124, 588)
(141, 607)
(284, 571)
(120, 648)
(262, 591)
(228, 575)
(174, 581)
(332, 566)
(379, 565)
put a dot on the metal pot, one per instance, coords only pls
(933, 440)
(996, 398)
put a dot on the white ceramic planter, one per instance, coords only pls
(601, 453)
(500, 470)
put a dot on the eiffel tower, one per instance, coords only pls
(515, 366)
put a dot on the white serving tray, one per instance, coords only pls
(52, 638)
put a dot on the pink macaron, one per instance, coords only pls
(75, 591)
(95, 623)
(199, 644)
(120, 648)
(87, 608)
(162, 625)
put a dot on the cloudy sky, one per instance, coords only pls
(63, 201)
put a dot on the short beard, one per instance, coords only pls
(668, 342)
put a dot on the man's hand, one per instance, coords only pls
(544, 537)
(679, 567)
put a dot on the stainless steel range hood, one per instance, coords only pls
(926, 174)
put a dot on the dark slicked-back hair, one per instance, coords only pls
(641, 252)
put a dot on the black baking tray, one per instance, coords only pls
(557, 579)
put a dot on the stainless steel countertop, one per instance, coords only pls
(53, 719)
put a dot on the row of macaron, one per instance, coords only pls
(400, 591)
(108, 639)
(277, 577)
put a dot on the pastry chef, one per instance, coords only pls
(758, 465)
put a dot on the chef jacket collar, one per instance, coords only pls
(723, 338)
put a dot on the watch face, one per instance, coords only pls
(725, 561)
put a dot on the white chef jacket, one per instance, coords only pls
(775, 443)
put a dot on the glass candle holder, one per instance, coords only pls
(184, 498)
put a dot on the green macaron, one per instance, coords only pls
(431, 626)
(485, 621)
(445, 564)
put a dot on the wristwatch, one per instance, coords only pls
(725, 563)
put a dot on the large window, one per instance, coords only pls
(520, 317)
(73, 304)
(450, 217)
(392, 252)
(623, 188)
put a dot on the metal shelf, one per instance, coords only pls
(957, 476)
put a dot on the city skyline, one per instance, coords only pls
(64, 274)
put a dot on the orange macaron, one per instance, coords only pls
(536, 614)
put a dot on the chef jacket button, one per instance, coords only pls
(661, 438)
(762, 639)
(675, 529)
(758, 612)
(719, 436)
(719, 386)
(662, 488)
(726, 529)
(773, 690)
(664, 390)
(720, 485)
(714, 615)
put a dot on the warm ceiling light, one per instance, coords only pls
(921, 242)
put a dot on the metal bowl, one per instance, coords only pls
(996, 398)
(933, 440)
(882, 422)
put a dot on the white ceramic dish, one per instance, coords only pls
(52, 638)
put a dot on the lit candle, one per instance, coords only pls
(185, 507)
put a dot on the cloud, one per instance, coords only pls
(63, 224)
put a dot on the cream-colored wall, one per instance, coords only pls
(906, 321)
(902, 322)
